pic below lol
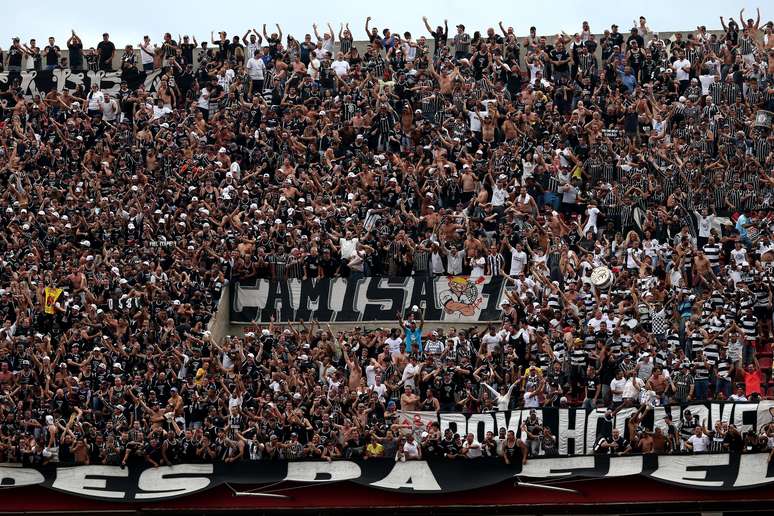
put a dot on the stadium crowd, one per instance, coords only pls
(537, 159)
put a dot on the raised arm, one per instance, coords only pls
(427, 24)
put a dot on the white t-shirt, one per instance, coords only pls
(380, 390)
(705, 224)
(531, 400)
(313, 71)
(146, 53)
(96, 99)
(492, 342)
(370, 371)
(617, 385)
(454, 263)
(204, 99)
(631, 254)
(394, 344)
(533, 70)
(499, 195)
(739, 255)
(256, 69)
(436, 263)
(327, 45)
(340, 67)
(632, 387)
(592, 213)
(109, 110)
(410, 450)
(159, 112)
(409, 374)
(250, 51)
(475, 123)
(348, 247)
(700, 443)
(518, 262)
(474, 450)
(477, 267)
(680, 74)
(706, 81)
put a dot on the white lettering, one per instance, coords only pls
(158, 484)
(753, 470)
(556, 467)
(457, 422)
(513, 423)
(701, 411)
(624, 466)
(675, 469)
(480, 424)
(77, 480)
(719, 412)
(414, 474)
(565, 432)
(20, 477)
(322, 471)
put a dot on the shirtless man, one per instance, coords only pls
(510, 131)
(468, 182)
(446, 81)
(488, 126)
(702, 268)
(646, 442)
(409, 400)
(657, 383)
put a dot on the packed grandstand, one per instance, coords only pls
(619, 185)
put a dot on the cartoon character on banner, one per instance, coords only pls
(463, 296)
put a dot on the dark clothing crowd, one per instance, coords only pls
(620, 185)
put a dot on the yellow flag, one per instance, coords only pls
(52, 294)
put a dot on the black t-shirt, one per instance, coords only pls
(560, 55)
(52, 54)
(14, 56)
(616, 38)
(106, 49)
(591, 386)
(734, 441)
(187, 50)
(439, 37)
(432, 449)
(224, 49)
(450, 447)
(329, 266)
(513, 451)
(446, 392)
(76, 58)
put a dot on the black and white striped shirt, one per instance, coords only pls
(578, 357)
(712, 252)
(746, 45)
(494, 264)
(462, 42)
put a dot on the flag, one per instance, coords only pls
(52, 294)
